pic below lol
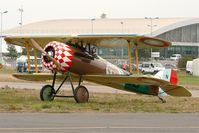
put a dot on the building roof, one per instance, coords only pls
(139, 26)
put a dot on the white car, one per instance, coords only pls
(189, 68)
(171, 66)
(175, 57)
(158, 66)
(152, 68)
(22, 64)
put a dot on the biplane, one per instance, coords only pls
(74, 57)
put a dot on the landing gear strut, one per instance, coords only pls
(80, 93)
(161, 99)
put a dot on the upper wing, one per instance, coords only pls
(100, 40)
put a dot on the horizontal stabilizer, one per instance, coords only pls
(175, 90)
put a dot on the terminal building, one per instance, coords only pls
(182, 32)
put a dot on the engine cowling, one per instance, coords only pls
(61, 52)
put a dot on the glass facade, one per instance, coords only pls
(185, 42)
(183, 50)
(187, 38)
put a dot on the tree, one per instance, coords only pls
(183, 61)
(144, 53)
(12, 52)
(24, 51)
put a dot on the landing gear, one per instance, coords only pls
(162, 100)
(80, 93)
(47, 93)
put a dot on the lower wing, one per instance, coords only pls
(115, 81)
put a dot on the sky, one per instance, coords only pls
(39, 10)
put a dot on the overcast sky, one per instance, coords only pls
(38, 10)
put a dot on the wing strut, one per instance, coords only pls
(35, 57)
(28, 55)
(136, 56)
(130, 57)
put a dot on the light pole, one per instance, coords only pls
(93, 19)
(1, 32)
(151, 25)
(122, 23)
(21, 20)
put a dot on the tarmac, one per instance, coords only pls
(99, 122)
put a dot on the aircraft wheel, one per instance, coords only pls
(47, 93)
(81, 94)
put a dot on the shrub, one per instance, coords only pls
(183, 61)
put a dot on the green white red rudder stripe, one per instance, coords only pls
(168, 75)
(171, 76)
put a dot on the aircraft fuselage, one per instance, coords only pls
(83, 61)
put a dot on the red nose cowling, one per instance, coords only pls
(61, 52)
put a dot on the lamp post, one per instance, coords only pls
(122, 23)
(92, 20)
(21, 20)
(1, 31)
(151, 25)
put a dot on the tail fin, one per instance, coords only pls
(173, 89)
(168, 75)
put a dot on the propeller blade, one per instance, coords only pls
(38, 47)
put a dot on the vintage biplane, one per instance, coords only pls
(74, 57)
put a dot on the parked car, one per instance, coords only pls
(134, 66)
(171, 66)
(189, 68)
(158, 66)
(147, 67)
(175, 57)
(124, 66)
(150, 67)
(22, 64)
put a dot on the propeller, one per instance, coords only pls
(38, 47)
